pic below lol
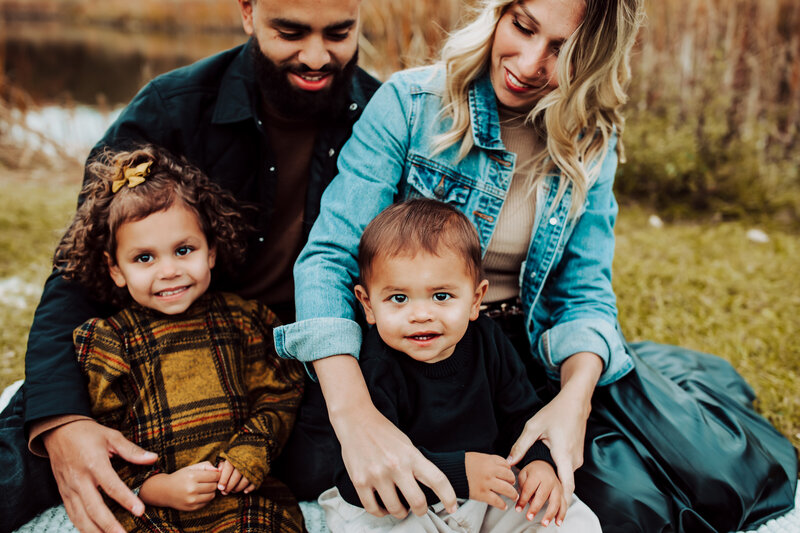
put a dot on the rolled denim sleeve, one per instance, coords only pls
(580, 295)
(586, 335)
(370, 167)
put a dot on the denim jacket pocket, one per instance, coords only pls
(428, 179)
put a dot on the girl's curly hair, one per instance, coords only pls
(92, 233)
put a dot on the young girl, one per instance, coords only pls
(188, 374)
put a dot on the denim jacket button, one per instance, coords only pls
(553, 221)
(439, 191)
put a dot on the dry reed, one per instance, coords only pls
(715, 103)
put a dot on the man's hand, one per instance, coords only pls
(538, 484)
(79, 456)
(231, 480)
(489, 477)
(187, 489)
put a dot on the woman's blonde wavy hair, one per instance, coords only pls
(577, 119)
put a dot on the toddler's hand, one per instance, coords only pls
(188, 489)
(489, 476)
(539, 483)
(231, 480)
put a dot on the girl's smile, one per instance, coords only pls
(163, 259)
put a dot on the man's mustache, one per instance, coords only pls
(302, 68)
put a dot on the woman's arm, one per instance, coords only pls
(561, 424)
(583, 347)
(377, 455)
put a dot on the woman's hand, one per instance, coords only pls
(378, 456)
(561, 424)
(79, 456)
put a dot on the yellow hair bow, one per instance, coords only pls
(132, 176)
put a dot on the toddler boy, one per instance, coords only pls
(449, 379)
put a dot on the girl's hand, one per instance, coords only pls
(538, 484)
(561, 424)
(188, 489)
(489, 477)
(231, 480)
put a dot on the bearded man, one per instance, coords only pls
(265, 120)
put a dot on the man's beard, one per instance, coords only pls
(293, 103)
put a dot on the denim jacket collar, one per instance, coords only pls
(483, 108)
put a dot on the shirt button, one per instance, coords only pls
(258, 122)
(353, 106)
(261, 239)
(331, 152)
(553, 221)
(272, 169)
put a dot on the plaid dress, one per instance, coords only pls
(204, 385)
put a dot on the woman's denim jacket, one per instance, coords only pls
(565, 282)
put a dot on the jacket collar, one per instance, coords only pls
(238, 91)
(483, 109)
(235, 102)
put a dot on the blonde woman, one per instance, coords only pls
(519, 127)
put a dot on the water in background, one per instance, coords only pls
(78, 79)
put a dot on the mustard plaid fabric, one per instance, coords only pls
(205, 385)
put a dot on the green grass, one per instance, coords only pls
(702, 285)
(705, 286)
(32, 218)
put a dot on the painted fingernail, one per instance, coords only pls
(518, 509)
(545, 522)
(559, 522)
(530, 516)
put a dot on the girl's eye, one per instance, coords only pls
(183, 250)
(143, 258)
(442, 296)
(521, 28)
(398, 298)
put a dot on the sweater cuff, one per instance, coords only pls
(453, 467)
(538, 452)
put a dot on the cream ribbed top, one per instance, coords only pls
(512, 234)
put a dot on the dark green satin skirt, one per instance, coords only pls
(677, 446)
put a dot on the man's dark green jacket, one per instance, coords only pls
(208, 113)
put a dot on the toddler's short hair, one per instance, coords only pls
(419, 225)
